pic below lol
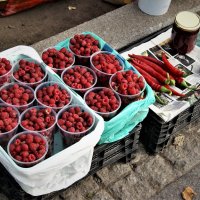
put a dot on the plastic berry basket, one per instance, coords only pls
(105, 115)
(103, 77)
(70, 138)
(57, 70)
(32, 85)
(27, 164)
(46, 84)
(127, 99)
(47, 133)
(6, 136)
(20, 108)
(80, 59)
(82, 90)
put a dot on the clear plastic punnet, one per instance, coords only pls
(54, 68)
(6, 136)
(70, 138)
(22, 107)
(103, 77)
(60, 86)
(105, 115)
(82, 90)
(34, 84)
(27, 163)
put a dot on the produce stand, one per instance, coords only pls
(157, 133)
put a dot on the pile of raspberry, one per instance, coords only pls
(38, 119)
(53, 96)
(84, 45)
(106, 63)
(103, 100)
(127, 83)
(59, 59)
(28, 147)
(29, 72)
(79, 77)
(17, 95)
(75, 120)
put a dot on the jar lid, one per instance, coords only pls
(187, 21)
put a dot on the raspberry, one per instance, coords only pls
(17, 142)
(33, 146)
(24, 147)
(24, 154)
(31, 157)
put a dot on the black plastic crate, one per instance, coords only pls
(122, 150)
(157, 134)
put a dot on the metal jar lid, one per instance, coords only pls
(187, 21)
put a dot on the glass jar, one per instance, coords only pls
(185, 31)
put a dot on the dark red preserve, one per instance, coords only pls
(185, 31)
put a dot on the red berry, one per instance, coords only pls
(24, 147)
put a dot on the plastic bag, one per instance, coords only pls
(120, 125)
(14, 6)
(67, 166)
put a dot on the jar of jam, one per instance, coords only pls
(185, 31)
